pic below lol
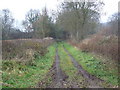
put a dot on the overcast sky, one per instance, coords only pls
(20, 7)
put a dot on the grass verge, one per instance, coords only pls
(18, 75)
(94, 65)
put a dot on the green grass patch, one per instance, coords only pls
(18, 75)
(94, 65)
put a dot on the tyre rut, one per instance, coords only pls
(92, 80)
(59, 76)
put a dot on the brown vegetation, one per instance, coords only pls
(106, 45)
(24, 49)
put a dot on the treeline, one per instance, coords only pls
(73, 20)
(36, 24)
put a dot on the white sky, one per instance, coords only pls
(20, 7)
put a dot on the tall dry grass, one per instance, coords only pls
(107, 46)
(24, 49)
(104, 42)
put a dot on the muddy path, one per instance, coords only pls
(93, 81)
(58, 77)
(59, 74)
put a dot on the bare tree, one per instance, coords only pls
(43, 24)
(113, 24)
(7, 23)
(30, 18)
(79, 18)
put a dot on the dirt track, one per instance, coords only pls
(60, 80)
(92, 80)
(59, 76)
